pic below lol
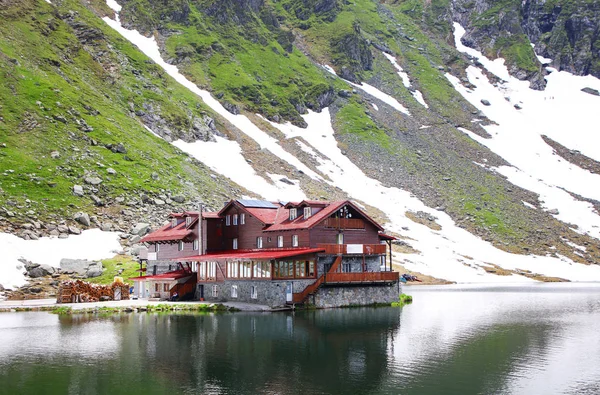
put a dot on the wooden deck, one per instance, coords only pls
(349, 249)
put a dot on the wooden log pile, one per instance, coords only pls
(77, 291)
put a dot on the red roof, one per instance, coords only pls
(383, 236)
(210, 214)
(167, 233)
(252, 254)
(165, 276)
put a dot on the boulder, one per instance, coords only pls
(82, 218)
(178, 199)
(111, 171)
(141, 228)
(78, 190)
(485, 102)
(35, 271)
(93, 180)
(591, 91)
(80, 266)
(74, 230)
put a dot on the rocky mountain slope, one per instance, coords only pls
(90, 122)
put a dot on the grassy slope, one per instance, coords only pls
(46, 73)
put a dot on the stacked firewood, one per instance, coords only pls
(77, 291)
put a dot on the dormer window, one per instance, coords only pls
(307, 212)
(293, 214)
(173, 222)
(227, 220)
(235, 219)
(188, 221)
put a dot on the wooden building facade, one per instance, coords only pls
(278, 253)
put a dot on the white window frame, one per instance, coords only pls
(293, 213)
(339, 238)
(173, 222)
(307, 212)
(196, 244)
(234, 244)
(235, 219)
(242, 219)
(280, 241)
(180, 246)
(253, 292)
(234, 291)
(259, 242)
(227, 220)
(188, 221)
(157, 247)
(294, 240)
(215, 291)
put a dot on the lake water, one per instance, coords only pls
(539, 339)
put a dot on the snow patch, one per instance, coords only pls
(561, 112)
(92, 244)
(225, 157)
(149, 47)
(405, 80)
(441, 253)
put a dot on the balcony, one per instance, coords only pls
(349, 249)
(361, 277)
(344, 223)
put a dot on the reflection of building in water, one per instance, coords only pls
(322, 253)
(317, 352)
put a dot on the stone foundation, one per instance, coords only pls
(354, 295)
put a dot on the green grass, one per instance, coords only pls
(403, 300)
(112, 266)
(45, 73)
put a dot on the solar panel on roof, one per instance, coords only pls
(256, 203)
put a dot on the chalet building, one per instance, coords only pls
(321, 253)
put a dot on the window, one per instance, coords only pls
(339, 239)
(211, 271)
(215, 291)
(311, 269)
(346, 268)
(262, 269)
(180, 246)
(157, 247)
(259, 242)
(233, 270)
(196, 245)
(293, 214)
(165, 287)
(307, 212)
(235, 244)
(280, 241)
(156, 287)
(173, 222)
(294, 240)
(253, 292)
(227, 220)
(300, 269)
(188, 221)
(246, 269)
(235, 219)
(234, 291)
(242, 219)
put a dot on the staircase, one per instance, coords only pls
(300, 297)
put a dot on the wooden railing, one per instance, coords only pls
(367, 249)
(344, 223)
(361, 277)
(312, 288)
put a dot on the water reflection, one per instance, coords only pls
(451, 340)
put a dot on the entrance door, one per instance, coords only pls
(289, 292)
(118, 293)
(201, 291)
